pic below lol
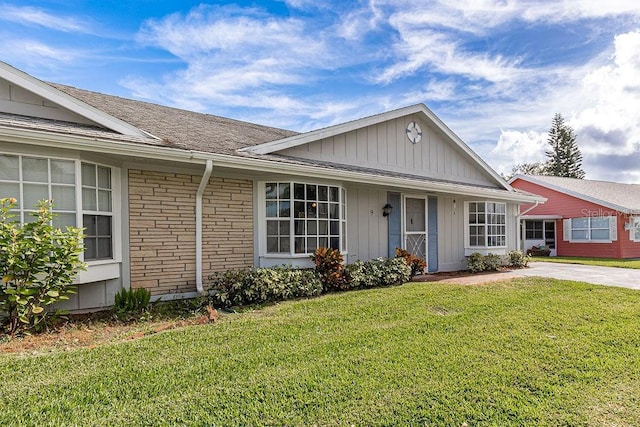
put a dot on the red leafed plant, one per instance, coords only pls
(416, 263)
(329, 268)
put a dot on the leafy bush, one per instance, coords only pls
(329, 267)
(416, 263)
(378, 272)
(37, 264)
(518, 260)
(130, 301)
(492, 262)
(475, 262)
(260, 285)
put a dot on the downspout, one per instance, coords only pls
(203, 184)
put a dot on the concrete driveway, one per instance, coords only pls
(609, 276)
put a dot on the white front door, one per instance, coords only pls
(415, 226)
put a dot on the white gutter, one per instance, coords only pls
(203, 184)
(519, 226)
(258, 165)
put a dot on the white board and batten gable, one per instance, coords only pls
(381, 142)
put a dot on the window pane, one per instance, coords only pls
(284, 228)
(104, 248)
(312, 244)
(35, 170)
(501, 208)
(88, 175)
(10, 190)
(323, 193)
(602, 222)
(579, 222)
(323, 210)
(272, 244)
(64, 198)
(104, 200)
(90, 248)
(334, 211)
(9, 168)
(299, 228)
(271, 190)
(311, 192)
(104, 225)
(600, 234)
(284, 191)
(272, 228)
(285, 209)
(298, 191)
(323, 242)
(272, 209)
(335, 243)
(33, 193)
(104, 177)
(63, 172)
(311, 209)
(89, 224)
(300, 247)
(335, 228)
(344, 236)
(578, 234)
(64, 219)
(298, 210)
(323, 227)
(333, 194)
(89, 202)
(285, 244)
(312, 227)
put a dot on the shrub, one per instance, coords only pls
(260, 285)
(37, 264)
(492, 262)
(518, 260)
(378, 272)
(475, 262)
(130, 301)
(416, 263)
(329, 267)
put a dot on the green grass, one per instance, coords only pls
(603, 262)
(526, 352)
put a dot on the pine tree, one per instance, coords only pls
(564, 156)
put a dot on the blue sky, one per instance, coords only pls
(496, 71)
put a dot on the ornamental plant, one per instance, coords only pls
(329, 268)
(416, 263)
(37, 265)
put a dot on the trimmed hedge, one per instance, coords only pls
(260, 285)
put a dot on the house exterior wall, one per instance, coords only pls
(385, 146)
(162, 229)
(17, 100)
(568, 206)
(367, 235)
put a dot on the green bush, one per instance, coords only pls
(475, 262)
(130, 301)
(378, 272)
(492, 262)
(37, 265)
(518, 260)
(329, 268)
(260, 285)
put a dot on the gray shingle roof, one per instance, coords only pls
(180, 128)
(613, 194)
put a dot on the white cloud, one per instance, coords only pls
(516, 147)
(37, 16)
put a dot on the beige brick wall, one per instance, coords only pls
(162, 229)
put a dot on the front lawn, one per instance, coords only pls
(523, 352)
(603, 262)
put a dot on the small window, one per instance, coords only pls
(97, 218)
(533, 230)
(591, 229)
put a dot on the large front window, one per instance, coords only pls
(302, 217)
(30, 179)
(591, 228)
(487, 224)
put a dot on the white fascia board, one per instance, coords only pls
(52, 94)
(96, 145)
(575, 194)
(305, 138)
(541, 216)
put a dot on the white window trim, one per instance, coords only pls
(635, 225)
(498, 250)
(104, 269)
(568, 228)
(262, 219)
